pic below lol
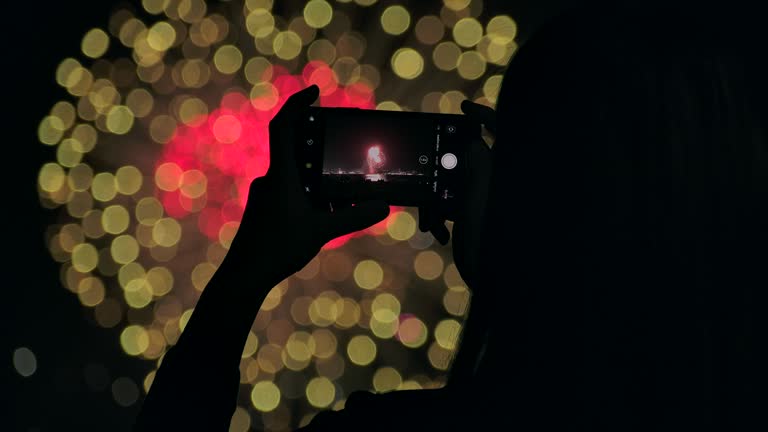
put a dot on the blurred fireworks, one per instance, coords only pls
(158, 143)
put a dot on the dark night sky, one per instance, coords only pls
(44, 316)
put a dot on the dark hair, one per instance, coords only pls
(625, 247)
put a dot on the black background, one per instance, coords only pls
(39, 313)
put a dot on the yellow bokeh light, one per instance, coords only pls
(387, 379)
(193, 183)
(388, 106)
(67, 154)
(251, 345)
(108, 313)
(95, 43)
(407, 63)
(264, 96)
(287, 45)
(325, 343)
(193, 111)
(160, 280)
(439, 357)
(228, 59)
(346, 70)
(124, 249)
(66, 112)
(456, 300)
(201, 274)
(227, 233)
(134, 339)
(137, 293)
(260, 23)
(80, 177)
(401, 226)
(162, 128)
(349, 315)
(241, 421)
(450, 102)
(323, 311)
(115, 219)
(154, 6)
(384, 325)
(395, 20)
(65, 71)
(447, 333)
(90, 291)
(471, 65)
(51, 130)
(318, 13)
(265, 396)
(85, 257)
(86, 136)
(166, 232)
(130, 272)
(428, 265)
(258, 70)
(104, 187)
(119, 120)
(184, 319)
(446, 55)
(467, 32)
(128, 180)
(79, 204)
(92, 226)
(491, 87)
(320, 392)
(161, 36)
(323, 50)
(361, 350)
(300, 346)
(502, 29)
(368, 274)
(52, 177)
(456, 5)
(192, 11)
(140, 102)
(429, 30)
(148, 210)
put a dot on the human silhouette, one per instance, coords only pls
(614, 243)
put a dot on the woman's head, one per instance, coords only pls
(630, 179)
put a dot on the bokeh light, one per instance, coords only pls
(162, 130)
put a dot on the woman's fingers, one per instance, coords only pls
(480, 113)
(351, 219)
(282, 130)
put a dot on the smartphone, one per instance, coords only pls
(348, 155)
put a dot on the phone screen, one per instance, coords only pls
(404, 158)
(385, 154)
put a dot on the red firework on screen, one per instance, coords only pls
(376, 159)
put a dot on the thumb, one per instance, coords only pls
(350, 219)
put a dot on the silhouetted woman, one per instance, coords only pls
(619, 281)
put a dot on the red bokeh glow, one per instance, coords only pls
(206, 168)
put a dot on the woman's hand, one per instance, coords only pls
(280, 227)
(467, 228)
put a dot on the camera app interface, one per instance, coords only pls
(366, 154)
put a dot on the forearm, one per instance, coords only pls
(198, 379)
